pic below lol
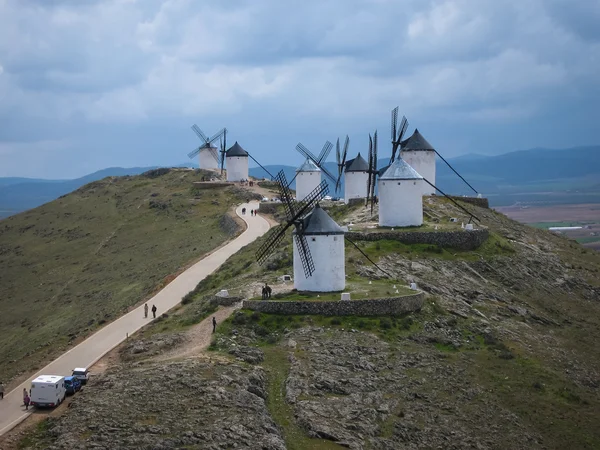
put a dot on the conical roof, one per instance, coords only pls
(357, 164)
(416, 143)
(308, 166)
(318, 222)
(400, 170)
(236, 150)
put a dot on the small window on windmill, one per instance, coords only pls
(335, 238)
(383, 182)
(415, 183)
(398, 183)
(313, 239)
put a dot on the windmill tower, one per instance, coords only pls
(325, 242)
(237, 163)
(356, 176)
(315, 234)
(400, 196)
(308, 177)
(420, 155)
(209, 154)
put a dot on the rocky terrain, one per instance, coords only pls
(503, 355)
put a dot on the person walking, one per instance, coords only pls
(145, 310)
(214, 324)
(24, 395)
(154, 311)
(1, 390)
(26, 400)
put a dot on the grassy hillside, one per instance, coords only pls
(503, 355)
(71, 265)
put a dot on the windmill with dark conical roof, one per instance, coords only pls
(420, 155)
(237, 163)
(318, 242)
(356, 177)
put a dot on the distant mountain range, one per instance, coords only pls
(537, 175)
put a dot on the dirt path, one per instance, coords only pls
(199, 336)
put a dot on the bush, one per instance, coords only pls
(261, 331)
(385, 324)
(335, 321)
(239, 319)
(255, 316)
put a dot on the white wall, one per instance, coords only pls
(400, 203)
(355, 185)
(423, 161)
(207, 160)
(306, 182)
(237, 168)
(328, 254)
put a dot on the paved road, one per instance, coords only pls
(93, 348)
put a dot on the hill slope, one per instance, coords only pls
(79, 261)
(504, 354)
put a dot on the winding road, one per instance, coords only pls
(12, 411)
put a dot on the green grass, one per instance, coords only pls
(277, 366)
(37, 437)
(359, 289)
(80, 261)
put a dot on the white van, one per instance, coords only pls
(48, 390)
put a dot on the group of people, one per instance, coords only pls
(253, 212)
(26, 397)
(146, 311)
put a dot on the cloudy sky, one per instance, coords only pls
(89, 84)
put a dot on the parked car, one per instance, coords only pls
(72, 385)
(327, 197)
(265, 199)
(47, 390)
(82, 374)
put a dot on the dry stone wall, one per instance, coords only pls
(460, 240)
(481, 202)
(376, 307)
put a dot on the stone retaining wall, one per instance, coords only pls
(481, 202)
(224, 301)
(376, 307)
(460, 240)
(211, 184)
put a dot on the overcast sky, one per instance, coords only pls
(89, 84)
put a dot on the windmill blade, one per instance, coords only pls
(304, 206)
(273, 238)
(213, 152)
(394, 124)
(261, 166)
(398, 141)
(285, 194)
(217, 135)
(194, 153)
(369, 180)
(338, 155)
(306, 152)
(341, 164)
(199, 132)
(374, 168)
(325, 152)
(223, 150)
(403, 127)
(305, 257)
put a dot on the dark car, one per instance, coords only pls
(72, 385)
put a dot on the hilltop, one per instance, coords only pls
(82, 260)
(503, 354)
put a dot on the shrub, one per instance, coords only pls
(239, 319)
(335, 321)
(255, 316)
(385, 324)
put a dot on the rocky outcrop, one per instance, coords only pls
(172, 405)
(375, 307)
